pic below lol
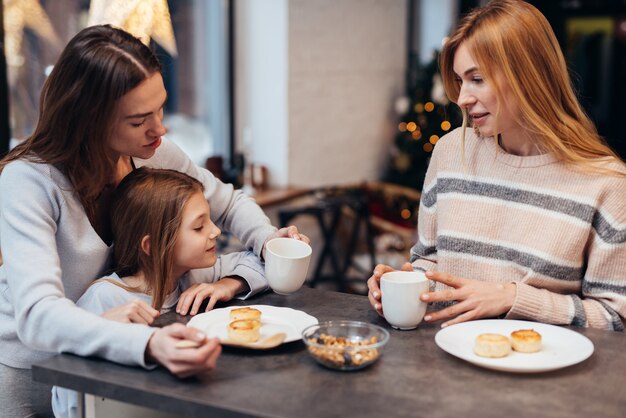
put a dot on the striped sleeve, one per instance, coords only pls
(424, 252)
(601, 302)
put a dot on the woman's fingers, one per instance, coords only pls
(445, 278)
(467, 316)
(407, 267)
(449, 312)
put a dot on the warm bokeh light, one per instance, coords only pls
(445, 125)
(428, 147)
(417, 134)
(411, 126)
(405, 213)
(433, 139)
(419, 107)
(402, 126)
(429, 107)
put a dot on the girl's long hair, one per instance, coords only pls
(514, 45)
(150, 202)
(78, 107)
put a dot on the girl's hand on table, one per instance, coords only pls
(223, 290)
(475, 299)
(136, 311)
(288, 232)
(185, 362)
(373, 285)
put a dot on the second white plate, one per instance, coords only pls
(561, 347)
(273, 319)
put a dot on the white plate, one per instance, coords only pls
(561, 347)
(273, 319)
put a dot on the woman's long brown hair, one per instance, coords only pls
(150, 202)
(78, 106)
(513, 43)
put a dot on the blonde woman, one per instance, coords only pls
(523, 216)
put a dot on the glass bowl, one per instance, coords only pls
(345, 345)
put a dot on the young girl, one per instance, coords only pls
(165, 255)
(524, 216)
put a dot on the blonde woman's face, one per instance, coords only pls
(138, 129)
(479, 99)
(197, 237)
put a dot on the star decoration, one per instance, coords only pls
(20, 14)
(144, 19)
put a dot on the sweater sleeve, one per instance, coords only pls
(45, 319)
(243, 264)
(231, 209)
(424, 252)
(601, 302)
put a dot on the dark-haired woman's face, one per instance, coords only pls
(139, 124)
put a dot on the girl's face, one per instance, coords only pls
(197, 237)
(139, 126)
(479, 99)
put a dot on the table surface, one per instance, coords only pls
(413, 377)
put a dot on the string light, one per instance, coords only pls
(145, 19)
(402, 127)
(429, 107)
(419, 108)
(445, 125)
(411, 126)
(417, 134)
(433, 139)
(405, 214)
(19, 15)
(428, 147)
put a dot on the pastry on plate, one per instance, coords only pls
(245, 330)
(526, 341)
(492, 345)
(245, 313)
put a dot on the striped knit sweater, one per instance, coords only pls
(559, 234)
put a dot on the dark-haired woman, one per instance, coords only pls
(101, 113)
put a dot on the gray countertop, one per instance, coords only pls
(413, 377)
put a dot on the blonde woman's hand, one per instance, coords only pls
(475, 299)
(136, 311)
(183, 362)
(373, 285)
(223, 290)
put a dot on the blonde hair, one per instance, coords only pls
(150, 201)
(513, 43)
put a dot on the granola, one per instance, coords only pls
(342, 352)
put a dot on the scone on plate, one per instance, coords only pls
(245, 313)
(492, 345)
(245, 330)
(526, 341)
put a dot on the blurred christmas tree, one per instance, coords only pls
(425, 116)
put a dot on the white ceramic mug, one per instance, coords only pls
(286, 264)
(400, 293)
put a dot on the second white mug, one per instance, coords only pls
(286, 264)
(400, 294)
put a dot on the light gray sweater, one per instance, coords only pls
(52, 253)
